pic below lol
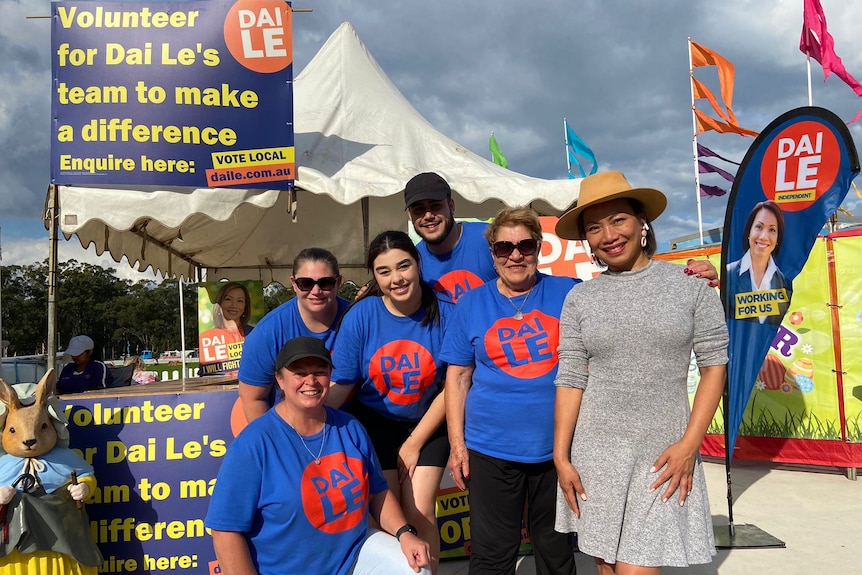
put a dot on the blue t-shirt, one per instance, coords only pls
(466, 267)
(96, 375)
(298, 516)
(395, 360)
(279, 326)
(510, 406)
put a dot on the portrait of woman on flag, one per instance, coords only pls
(758, 288)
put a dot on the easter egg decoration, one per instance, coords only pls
(772, 373)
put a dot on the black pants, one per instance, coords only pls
(498, 489)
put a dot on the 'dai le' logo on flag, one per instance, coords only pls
(793, 177)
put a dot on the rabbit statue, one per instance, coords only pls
(43, 526)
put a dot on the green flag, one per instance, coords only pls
(496, 154)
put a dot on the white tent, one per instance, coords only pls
(358, 141)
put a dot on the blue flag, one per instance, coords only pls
(573, 160)
(793, 177)
(575, 145)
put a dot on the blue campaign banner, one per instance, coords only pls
(793, 178)
(155, 458)
(195, 94)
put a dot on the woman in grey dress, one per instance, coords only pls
(625, 441)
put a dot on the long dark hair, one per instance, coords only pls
(397, 240)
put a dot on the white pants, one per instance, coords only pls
(381, 555)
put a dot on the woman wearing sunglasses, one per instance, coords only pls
(314, 312)
(626, 443)
(387, 353)
(501, 347)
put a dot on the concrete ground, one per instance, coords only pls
(816, 512)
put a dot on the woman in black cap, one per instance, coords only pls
(296, 487)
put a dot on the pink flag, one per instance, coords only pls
(817, 42)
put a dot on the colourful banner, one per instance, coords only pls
(806, 404)
(155, 460)
(559, 257)
(453, 521)
(848, 312)
(795, 391)
(227, 313)
(185, 94)
(793, 177)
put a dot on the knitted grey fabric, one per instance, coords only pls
(626, 339)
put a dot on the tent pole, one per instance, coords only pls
(51, 218)
(182, 328)
(365, 223)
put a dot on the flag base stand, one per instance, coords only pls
(744, 536)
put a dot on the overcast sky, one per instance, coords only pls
(617, 70)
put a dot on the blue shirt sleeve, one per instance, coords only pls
(347, 349)
(457, 348)
(234, 501)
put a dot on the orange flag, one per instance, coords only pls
(705, 123)
(701, 56)
(701, 92)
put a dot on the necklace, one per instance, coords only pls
(518, 315)
(322, 443)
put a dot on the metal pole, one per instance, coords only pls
(694, 145)
(728, 455)
(182, 328)
(2, 349)
(51, 217)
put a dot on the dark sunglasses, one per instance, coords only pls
(527, 247)
(307, 284)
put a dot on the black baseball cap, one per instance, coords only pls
(300, 348)
(426, 186)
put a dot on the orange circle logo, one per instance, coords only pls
(258, 34)
(456, 283)
(800, 165)
(335, 493)
(525, 348)
(237, 418)
(402, 370)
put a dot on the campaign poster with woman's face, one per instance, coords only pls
(227, 313)
(794, 176)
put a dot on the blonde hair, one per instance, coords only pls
(522, 216)
(136, 361)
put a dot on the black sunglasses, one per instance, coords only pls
(307, 284)
(527, 247)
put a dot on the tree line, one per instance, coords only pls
(120, 315)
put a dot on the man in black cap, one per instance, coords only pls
(455, 255)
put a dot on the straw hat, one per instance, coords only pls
(604, 187)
